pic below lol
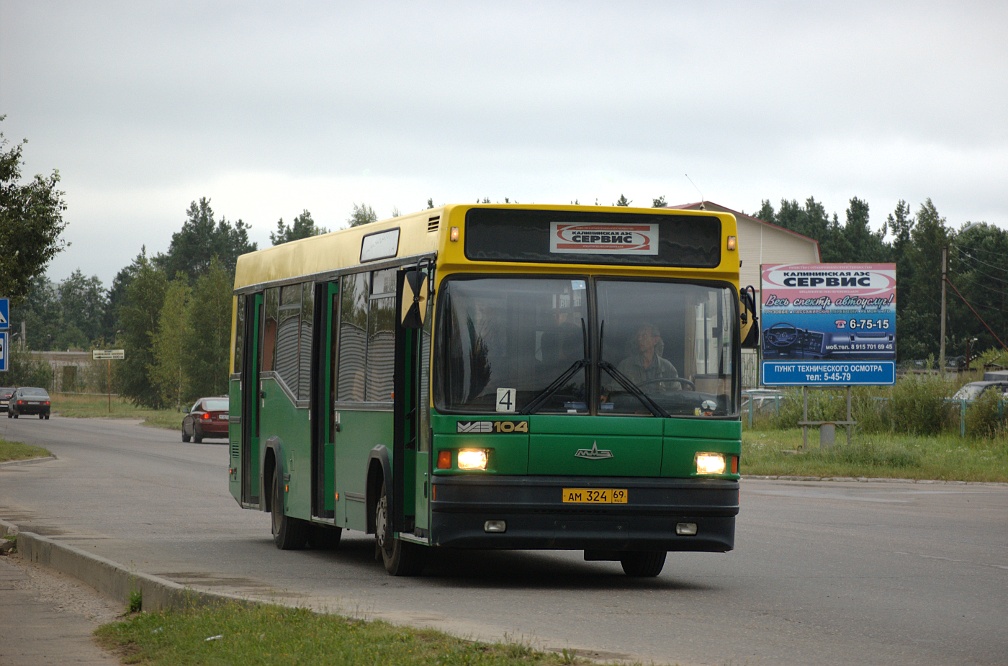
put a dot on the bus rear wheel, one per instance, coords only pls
(643, 563)
(400, 558)
(288, 533)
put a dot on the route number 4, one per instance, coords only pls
(506, 400)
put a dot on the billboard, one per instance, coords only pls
(828, 324)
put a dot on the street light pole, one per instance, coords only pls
(941, 339)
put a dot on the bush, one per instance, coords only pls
(823, 405)
(23, 370)
(872, 410)
(985, 416)
(918, 405)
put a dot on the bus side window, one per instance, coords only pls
(354, 291)
(239, 336)
(381, 337)
(287, 336)
(269, 334)
(305, 344)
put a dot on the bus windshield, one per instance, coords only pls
(580, 345)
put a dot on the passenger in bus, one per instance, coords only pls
(646, 364)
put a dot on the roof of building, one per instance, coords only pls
(710, 205)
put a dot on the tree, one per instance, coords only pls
(116, 299)
(201, 239)
(809, 220)
(31, 222)
(23, 370)
(977, 270)
(139, 317)
(168, 345)
(362, 214)
(208, 333)
(918, 305)
(83, 301)
(766, 212)
(900, 225)
(659, 202)
(859, 241)
(622, 201)
(41, 314)
(303, 227)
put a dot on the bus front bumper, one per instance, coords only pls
(529, 513)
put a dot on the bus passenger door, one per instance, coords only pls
(411, 440)
(249, 402)
(324, 390)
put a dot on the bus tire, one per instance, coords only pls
(288, 533)
(400, 558)
(643, 563)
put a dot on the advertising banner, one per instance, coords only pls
(828, 324)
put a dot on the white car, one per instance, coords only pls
(974, 390)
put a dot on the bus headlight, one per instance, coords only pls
(472, 458)
(710, 463)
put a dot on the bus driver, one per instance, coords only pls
(648, 364)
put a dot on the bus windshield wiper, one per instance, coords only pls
(554, 386)
(634, 390)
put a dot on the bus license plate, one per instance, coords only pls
(595, 495)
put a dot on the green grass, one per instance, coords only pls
(938, 457)
(17, 451)
(268, 634)
(100, 406)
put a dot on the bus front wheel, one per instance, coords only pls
(400, 559)
(288, 533)
(643, 563)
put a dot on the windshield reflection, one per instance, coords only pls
(549, 345)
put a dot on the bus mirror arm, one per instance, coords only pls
(748, 321)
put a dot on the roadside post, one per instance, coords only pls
(108, 355)
(4, 324)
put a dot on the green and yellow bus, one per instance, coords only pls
(495, 377)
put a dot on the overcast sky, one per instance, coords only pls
(271, 108)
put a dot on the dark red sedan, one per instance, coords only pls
(207, 418)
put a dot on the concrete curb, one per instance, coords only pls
(107, 577)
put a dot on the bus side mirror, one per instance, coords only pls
(748, 322)
(413, 304)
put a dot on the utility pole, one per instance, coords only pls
(941, 340)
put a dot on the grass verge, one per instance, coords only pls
(939, 457)
(86, 406)
(17, 451)
(268, 634)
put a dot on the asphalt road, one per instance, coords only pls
(839, 572)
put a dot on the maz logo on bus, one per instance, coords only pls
(492, 426)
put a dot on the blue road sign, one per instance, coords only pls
(3, 351)
(826, 373)
(4, 314)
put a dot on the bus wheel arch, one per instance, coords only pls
(379, 469)
(288, 533)
(400, 558)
